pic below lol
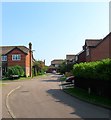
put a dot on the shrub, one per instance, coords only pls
(94, 75)
(15, 70)
(93, 70)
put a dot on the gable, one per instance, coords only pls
(7, 49)
(108, 37)
(16, 49)
(92, 42)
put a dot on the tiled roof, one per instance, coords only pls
(5, 49)
(70, 57)
(57, 61)
(80, 52)
(92, 42)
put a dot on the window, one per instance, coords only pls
(16, 57)
(76, 58)
(87, 51)
(4, 58)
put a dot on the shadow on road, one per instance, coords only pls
(82, 109)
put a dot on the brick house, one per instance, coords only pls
(56, 62)
(81, 56)
(90, 44)
(17, 55)
(95, 49)
(70, 58)
(98, 49)
(54, 65)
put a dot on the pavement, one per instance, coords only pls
(43, 98)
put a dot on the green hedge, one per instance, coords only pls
(94, 75)
(15, 70)
(100, 70)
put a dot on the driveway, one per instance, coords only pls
(43, 98)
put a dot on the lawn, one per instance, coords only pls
(91, 98)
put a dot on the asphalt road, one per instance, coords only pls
(42, 98)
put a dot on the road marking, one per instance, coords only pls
(7, 102)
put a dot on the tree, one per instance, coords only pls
(65, 67)
(39, 68)
(62, 67)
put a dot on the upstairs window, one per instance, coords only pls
(16, 57)
(76, 58)
(4, 58)
(87, 51)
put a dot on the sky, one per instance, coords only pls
(54, 28)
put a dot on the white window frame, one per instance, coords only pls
(87, 51)
(16, 57)
(4, 58)
(76, 58)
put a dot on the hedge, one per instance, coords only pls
(94, 75)
(93, 70)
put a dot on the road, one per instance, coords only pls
(43, 98)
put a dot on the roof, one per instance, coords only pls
(70, 57)
(108, 36)
(80, 52)
(6, 49)
(92, 42)
(57, 61)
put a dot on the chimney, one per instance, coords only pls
(44, 62)
(30, 46)
(30, 50)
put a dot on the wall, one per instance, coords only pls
(21, 62)
(27, 63)
(101, 51)
(82, 57)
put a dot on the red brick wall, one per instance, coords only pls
(101, 51)
(82, 57)
(88, 58)
(27, 64)
(20, 62)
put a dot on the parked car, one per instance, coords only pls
(54, 72)
(70, 79)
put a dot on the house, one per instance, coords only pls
(54, 65)
(56, 62)
(95, 49)
(89, 45)
(98, 49)
(70, 58)
(81, 57)
(17, 55)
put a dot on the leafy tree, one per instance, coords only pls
(65, 67)
(39, 68)
(62, 68)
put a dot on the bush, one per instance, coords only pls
(94, 75)
(15, 70)
(93, 70)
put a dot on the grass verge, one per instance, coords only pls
(62, 78)
(2, 84)
(91, 98)
(24, 78)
